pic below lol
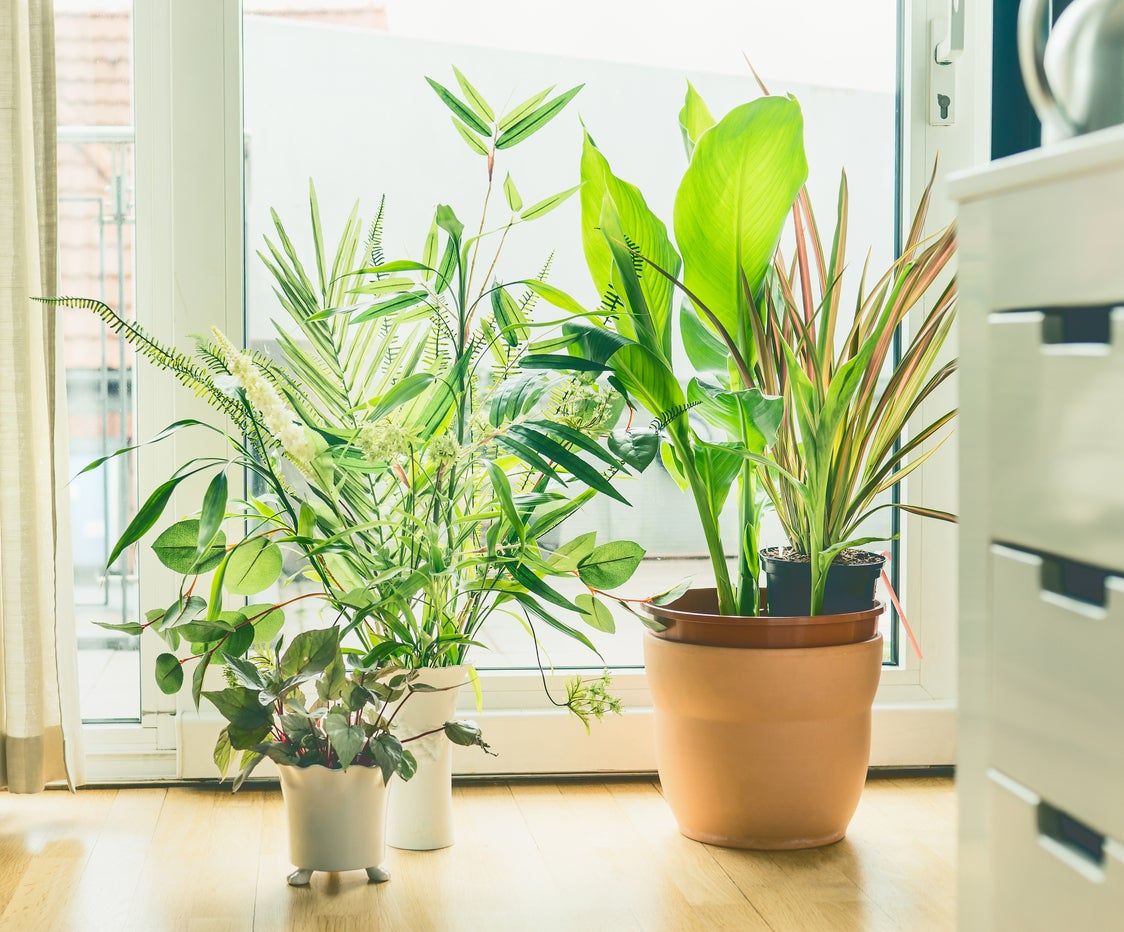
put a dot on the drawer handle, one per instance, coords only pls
(1080, 325)
(1072, 580)
(1073, 835)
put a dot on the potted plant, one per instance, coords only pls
(335, 746)
(407, 452)
(762, 715)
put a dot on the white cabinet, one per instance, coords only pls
(1040, 765)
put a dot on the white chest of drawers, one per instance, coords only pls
(1040, 765)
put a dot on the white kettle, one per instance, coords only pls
(1075, 80)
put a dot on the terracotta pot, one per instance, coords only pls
(691, 619)
(763, 749)
(337, 820)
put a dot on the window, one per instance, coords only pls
(238, 105)
(335, 91)
(95, 163)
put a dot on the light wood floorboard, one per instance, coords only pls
(596, 855)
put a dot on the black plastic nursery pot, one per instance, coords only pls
(851, 581)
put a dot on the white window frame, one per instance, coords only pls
(190, 259)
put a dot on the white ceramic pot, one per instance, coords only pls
(421, 809)
(337, 820)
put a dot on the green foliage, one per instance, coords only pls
(403, 467)
(838, 448)
(316, 706)
(733, 201)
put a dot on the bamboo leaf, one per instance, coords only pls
(460, 109)
(474, 142)
(546, 205)
(535, 120)
(521, 110)
(514, 201)
(474, 97)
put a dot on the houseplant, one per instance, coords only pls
(762, 720)
(403, 469)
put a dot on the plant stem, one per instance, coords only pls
(727, 604)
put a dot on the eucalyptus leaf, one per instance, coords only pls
(596, 614)
(178, 547)
(611, 565)
(254, 565)
(169, 673)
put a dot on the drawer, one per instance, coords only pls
(1049, 873)
(1056, 387)
(1058, 682)
(1048, 237)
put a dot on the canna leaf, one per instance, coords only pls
(734, 199)
(695, 119)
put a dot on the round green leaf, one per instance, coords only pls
(254, 566)
(178, 549)
(267, 620)
(239, 641)
(169, 674)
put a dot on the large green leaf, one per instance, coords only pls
(717, 466)
(644, 231)
(734, 198)
(647, 377)
(706, 352)
(748, 415)
(695, 118)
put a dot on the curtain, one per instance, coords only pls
(39, 719)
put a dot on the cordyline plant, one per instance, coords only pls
(407, 452)
(848, 405)
(803, 421)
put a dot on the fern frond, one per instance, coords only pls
(375, 254)
(187, 371)
(664, 418)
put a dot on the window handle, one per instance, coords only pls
(946, 39)
(950, 46)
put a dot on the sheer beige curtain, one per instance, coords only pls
(39, 721)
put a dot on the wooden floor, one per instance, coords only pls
(568, 856)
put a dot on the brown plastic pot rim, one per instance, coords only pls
(713, 618)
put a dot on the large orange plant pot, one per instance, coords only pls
(763, 748)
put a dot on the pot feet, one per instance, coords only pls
(300, 878)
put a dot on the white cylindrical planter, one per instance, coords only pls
(337, 820)
(421, 809)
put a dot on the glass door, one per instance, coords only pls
(93, 53)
